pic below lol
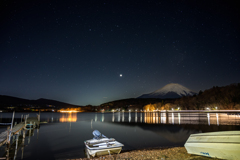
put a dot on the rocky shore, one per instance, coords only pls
(175, 153)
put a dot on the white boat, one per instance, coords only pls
(223, 145)
(101, 145)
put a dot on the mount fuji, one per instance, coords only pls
(172, 90)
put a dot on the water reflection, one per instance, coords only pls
(56, 141)
(103, 117)
(68, 117)
(113, 117)
(135, 117)
(175, 118)
(129, 117)
(119, 116)
(122, 116)
(208, 116)
(179, 118)
(95, 117)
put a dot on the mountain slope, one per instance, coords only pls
(172, 90)
(14, 101)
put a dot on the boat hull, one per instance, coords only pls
(224, 145)
(102, 146)
(97, 153)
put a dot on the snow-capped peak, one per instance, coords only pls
(174, 87)
(172, 90)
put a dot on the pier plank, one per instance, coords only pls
(17, 128)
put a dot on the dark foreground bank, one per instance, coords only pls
(175, 153)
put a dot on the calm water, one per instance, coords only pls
(61, 135)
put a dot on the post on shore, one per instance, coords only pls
(15, 154)
(23, 141)
(8, 134)
(30, 132)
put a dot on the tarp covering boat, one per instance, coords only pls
(101, 145)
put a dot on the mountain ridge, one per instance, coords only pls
(172, 90)
(10, 100)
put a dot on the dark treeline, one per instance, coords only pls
(227, 97)
(216, 98)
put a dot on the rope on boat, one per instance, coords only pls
(109, 153)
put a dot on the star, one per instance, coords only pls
(120, 75)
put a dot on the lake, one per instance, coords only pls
(61, 135)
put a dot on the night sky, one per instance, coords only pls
(91, 52)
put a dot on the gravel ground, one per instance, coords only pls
(176, 153)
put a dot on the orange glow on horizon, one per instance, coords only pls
(70, 117)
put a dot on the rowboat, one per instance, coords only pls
(101, 145)
(223, 145)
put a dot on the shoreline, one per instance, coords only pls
(170, 153)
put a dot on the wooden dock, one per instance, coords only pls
(34, 121)
(15, 130)
(31, 120)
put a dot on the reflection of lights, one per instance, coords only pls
(217, 119)
(119, 116)
(172, 118)
(156, 117)
(208, 116)
(69, 111)
(123, 117)
(129, 118)
(179, 118)
(68, 118)
(113, 117)
(95, 117)
(136, 117)
(152, 117)
(102, 116)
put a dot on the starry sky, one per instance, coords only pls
(91, 52)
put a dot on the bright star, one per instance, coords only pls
(120, 75)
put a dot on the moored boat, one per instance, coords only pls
(101, 145)
(224, 144)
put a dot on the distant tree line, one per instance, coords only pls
(227, 97)
(216, 98)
